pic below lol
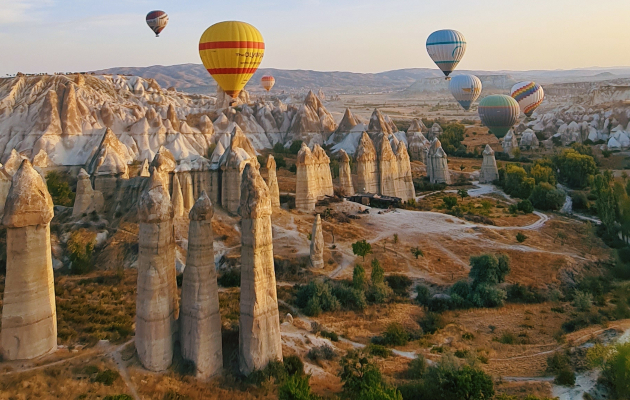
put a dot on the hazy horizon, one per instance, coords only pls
(317, 35)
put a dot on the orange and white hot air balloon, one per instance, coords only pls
(231, 51)
(267, 82)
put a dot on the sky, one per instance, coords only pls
(325, 35)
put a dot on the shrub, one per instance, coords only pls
(449, 201)
(329, 335)
(557, 362)
(293, 365)
(59, 188)
(363, 380)
(275, 371)
(507, 338)
(395, 335)
(565, 377)
(378, 350)
(280, 162)
(315, 298)
(293, 168)
(546, 197)
(579, 201)
(489, 268)
(520, 237)
(417, 251)
(230, 278)
(446, 382)
(424, 295)
(323, 352)
(80, 247)
(348, 296)
(400, 284)
(525, 206)
(295, 147)
(517, 183)
(487, 295)
(278, 148)
(417, 367)
(106, 377)
(518, 293)
(582, 301)
(378, 273)
(379, 293)
(296, 388)
(359, 280)
(432, 322)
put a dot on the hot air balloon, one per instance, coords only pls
(267, 82)
(466, 89)
(446, 48)
(157, 21)
(231, 51)
(529, 95)
(499, 113)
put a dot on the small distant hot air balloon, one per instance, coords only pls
(466, 89)
(231, 51)
(157, 21)
(499, 113)
(529, 95)
(446, 48)
(267, 82)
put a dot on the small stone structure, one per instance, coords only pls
(29, 317)
(200, 320)
(489, 172)
(259, 332)
(317, 244)
(157, 306)
(437, 163)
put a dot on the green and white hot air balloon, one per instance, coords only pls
(499, 113)
(446, 48)
(465, 89)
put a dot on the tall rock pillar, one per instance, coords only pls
(156, 303)
(259, 333)
(200, 321)
(388, 167)
(405, 188)
(29, 317)
(489, 171)
(87, 199)
(307, 184)
(345, 175)
(272, 182)
(317, 243)
(367, 168)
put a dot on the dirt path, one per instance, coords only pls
(122, 369)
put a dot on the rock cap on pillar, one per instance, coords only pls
(28, 202)
(155, 203)
(255, 200)
(202, 210)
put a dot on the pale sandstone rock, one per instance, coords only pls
(13, 162)
(388, 169)
(259, 332)
(404, 186)
(345, 175)
(529, 139)
(29, 319)
(272, 181)
(417, 126)
(489, 171)
(171, 115)
(378, 125)
(307, 184)
(322, 170)
(509, 143)
(317, 244)
(111, 158)
(418, 145)
(367, 167)
(437, 164)
(435, 131)
(178, 198)
(87, 199)
(312, 118)
(200, 320)
(157, 307)
(144, 170)
(70, 118)
(5, 186)
(240, 153)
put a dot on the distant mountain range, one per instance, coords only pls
(194, 78)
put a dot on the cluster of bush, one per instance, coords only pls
(486, 273)
(332, 295)
(58, 184)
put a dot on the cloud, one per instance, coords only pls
(17, 11)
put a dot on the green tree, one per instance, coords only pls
(80, 247)
(463, 193)
(59, 189)
(450, 201)
(363, 380)
(575, 168)
(278, 148)
(517, 183)
(296, 387)
(378, 273)
(615, 363)
(543, 173)
(361, 248)
(449, 382)
(489, 268)
(359, 281)
(295, 147)
(417, 251)
(520, 237)
(546, 197)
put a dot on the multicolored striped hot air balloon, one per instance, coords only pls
(231, 51)
(157, 21)
(465, 89)
(267, 82)
(499, 113)
(529, 95)
(446, 48)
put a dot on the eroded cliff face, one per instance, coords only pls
(314, 178)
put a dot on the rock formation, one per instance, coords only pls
(489, 172)
(418, 146)
(367, 167)
(321, 164)
(178, 198)
(272, 182)
(437, 164)
(435, 131)
(509, 143)
(144, 169)
(259, 331)
(404, 185)
(388, 169)
(528, 139)
(378, 125)
(200, 320)
(87, 199)
(317, 244)
(5, 186)
(29, 318)
(312, 121)
(345, 175)
(306, 187)
(157, 306)
(417, 126)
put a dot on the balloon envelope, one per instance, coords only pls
(267, 82)
(446, 48)
(529, 95)
(157, 21)
(231, 51)
(465, 89)
(499, 113)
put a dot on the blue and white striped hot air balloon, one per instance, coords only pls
(465, 89)
(446, 48)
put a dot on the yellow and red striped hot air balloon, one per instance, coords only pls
(231, 51)
(267, 82)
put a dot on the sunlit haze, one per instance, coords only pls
(366, 36)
